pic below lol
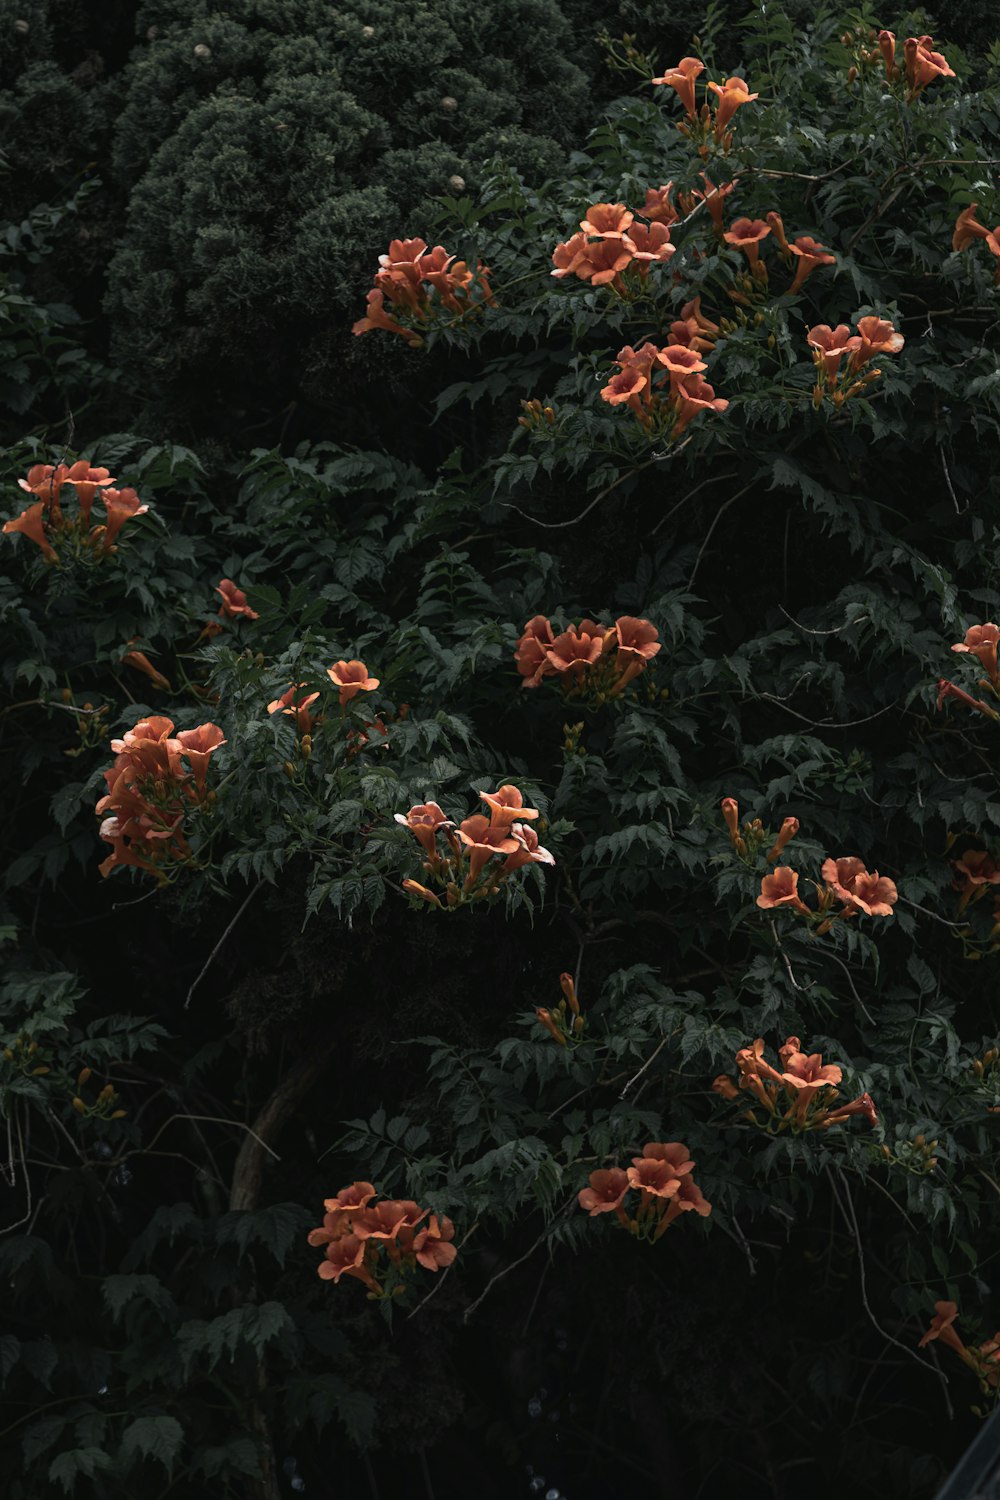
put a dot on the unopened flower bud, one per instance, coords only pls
(82, 1077)
(852, 73)
(40, 1072)
(307, 746)
(731, 813)
(787, 832)
(568, 988)
(918, 1140)
(289, 770)
(414, 888)
(79, 1106)
(545, 1017)
(118, 1114)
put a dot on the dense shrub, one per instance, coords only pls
(698, 649)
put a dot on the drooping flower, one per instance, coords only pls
(141, 662)
(529, 851)
(377, 317)
(809, 255)
(941, 1328)
(198, 746)
(31, 523)
(714, 200)
(682, 80)
(695, 395)
(351, 677)
(948, 689)
(887, 47)
(532, 648)
(234, 601)
(781, 888)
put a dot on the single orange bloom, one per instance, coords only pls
(198, 745)
(483, 840)
(877, 337)
(637, 638)
(530, 655)
(566, 257)
(673, 1153)
(352, 678)
(377, 317)
(975, 868)
(296, 706)
(529, 851)
(781, 888)
(234, 601)
(432, 1246)
(650, 244)
(746, 235)
(682, 80)
(695, 395)
(968, 229)
(923, 65)
(31, 523)
(802, 1071)
(680, 362)
(810, 254)
(345, 1257)
(786, 833)
(86, 481)
(605, 1193)
(981, 641)
(732, 95)
(119, 506)
(941, 1328)
(607, 221)
(383, 1221)
(714, 200)
(574, 651)
(625, 389)
(887, 47)
(652, 1176)
(423, 820)
(507, 806)
(659, 207)
(604, 260)
(689, 1198)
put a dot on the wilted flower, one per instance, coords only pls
(31, 523)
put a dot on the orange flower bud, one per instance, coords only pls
(787, 832)
(82, 1077)
(569, 990)
(414, 888)
(79, 1106)
(731, 813)
(545, 1017)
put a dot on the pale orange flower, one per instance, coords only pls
(714, 200)
(377, 317)
(566, 257)
(802, 1071)
(887, 47)
(682, 80)
(649, 245)
(296, 707)
(809, 255)
(637, 638)
(432, 1246)
(198, 746)
(657, 1178)
(786, 833)
(732, 95)
(607, 1188)
(777, 224)
(31, 523)
(530, 655)
(673, 1153)
(877, 337)
(607, 221)
(604, 260)
(830, 345)
(529, 851)
(941, 1328)
(119, 506)
(423, 820)
(507, 806)
(574, 650)
(693, 396)
(345, 1257)
(680, 362)
(746, 235)
(86, 481)
(781, 888)
(351, 677)
(484, 839)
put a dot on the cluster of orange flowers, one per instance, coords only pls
(968, 229)
(829, 345)
(54, 530)
(981, 642)
(846, 884)
(802, 252)
(472, 870)
(663, 388)
(588, 660)
(419, 283)
(566, 1023)
(611, 242)
(377, 1243)
(984, 1361)
(799, 1097)
(349, 677)
(730, 96)
(921, 65)
(662, 1178)
(157, 778)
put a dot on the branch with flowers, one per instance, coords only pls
(798, 1097)
(482, 852)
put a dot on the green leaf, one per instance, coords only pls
(153, 1437)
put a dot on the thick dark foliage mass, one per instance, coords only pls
(686, 559)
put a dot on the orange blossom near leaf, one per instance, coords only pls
(351, 677)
